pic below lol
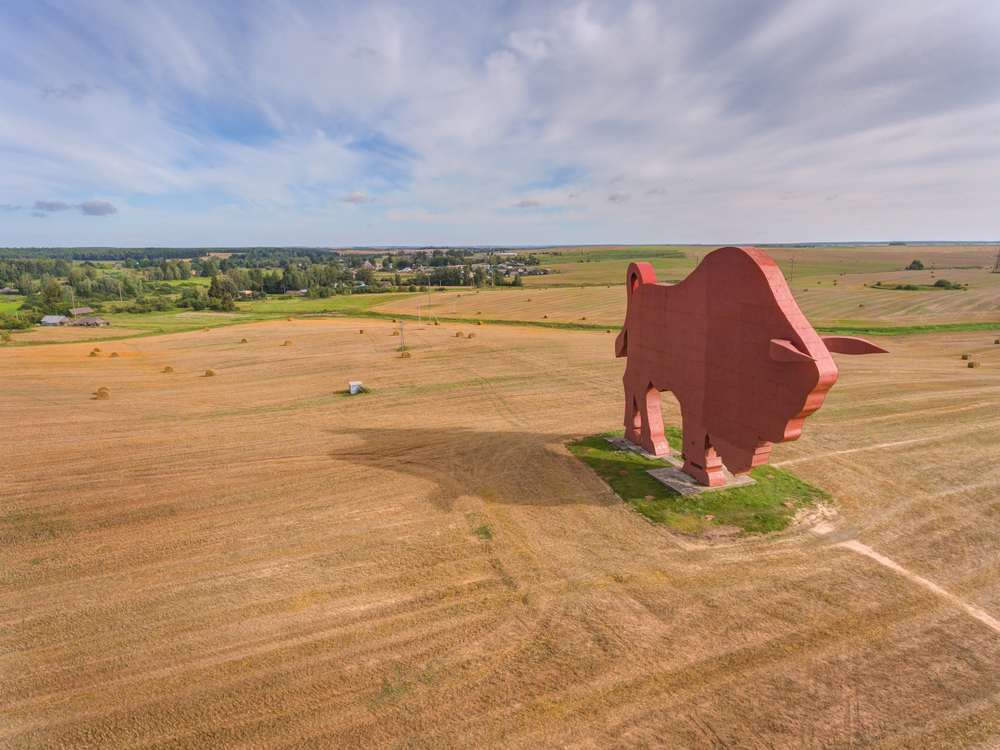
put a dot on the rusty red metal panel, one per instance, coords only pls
(732, 345)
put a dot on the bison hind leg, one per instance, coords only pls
(633, 417)
(653, 439)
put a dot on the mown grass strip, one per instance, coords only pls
(484, 321)
(910, 330)
(360, 313)
(756, 509)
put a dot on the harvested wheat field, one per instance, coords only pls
(259, 560)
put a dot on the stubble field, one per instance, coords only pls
(833, 286)
(258, 560)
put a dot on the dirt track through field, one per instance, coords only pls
(258, 560)
(975, 612)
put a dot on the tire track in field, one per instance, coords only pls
(971, 610)
(936, 438)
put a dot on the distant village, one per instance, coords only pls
(71, 287)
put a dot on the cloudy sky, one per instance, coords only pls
(169, 122)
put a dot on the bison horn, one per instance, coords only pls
(851, 345)
(785, 351)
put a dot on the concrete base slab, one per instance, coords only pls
(685, 484)
(624, 445)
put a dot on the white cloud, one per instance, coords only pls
(97, 208)
(449, 114)
(88, 208)
(356, 198)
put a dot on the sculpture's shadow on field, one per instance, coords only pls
(512, 468)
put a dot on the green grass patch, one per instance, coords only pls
(756, 509)
(194, 281)
(862, 330)
(483, 532)
(10, 304)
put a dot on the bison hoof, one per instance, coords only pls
(657, 447)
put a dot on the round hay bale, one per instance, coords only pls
(209, 373)
(997, 341)
(479, 323)
(973, 364)
(394, 320)
(395, 333)
(458, 335)
(114, 354)
(244, 341)
(966, 356)
(529, 299)
(405, 355)
(206, 329)
(291, 319)
(103, 395)
(472, 335)
(584, 317)
(609, 330)
(287, 343)
(104, 388)
(362, 330)
(168, 368)
(96, 349)
(94, 354)
(479, 312)
(437, 322)
(545, 316)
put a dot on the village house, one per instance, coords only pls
(92, 322)
(55, 320)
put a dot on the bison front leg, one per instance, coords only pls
(700, 459)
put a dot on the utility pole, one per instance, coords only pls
(402, 337)
(792, 277)
(996, 266)
(120, 298)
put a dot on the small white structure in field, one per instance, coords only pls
(354, 386)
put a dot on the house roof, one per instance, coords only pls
(6, 290)
(80, 310)
(90, 321)
(53, 318)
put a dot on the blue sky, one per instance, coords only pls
(177, 123)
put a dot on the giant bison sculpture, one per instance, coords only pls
(740, 357)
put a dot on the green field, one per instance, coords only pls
(10, 304)
(199, 280)
(834, 286)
